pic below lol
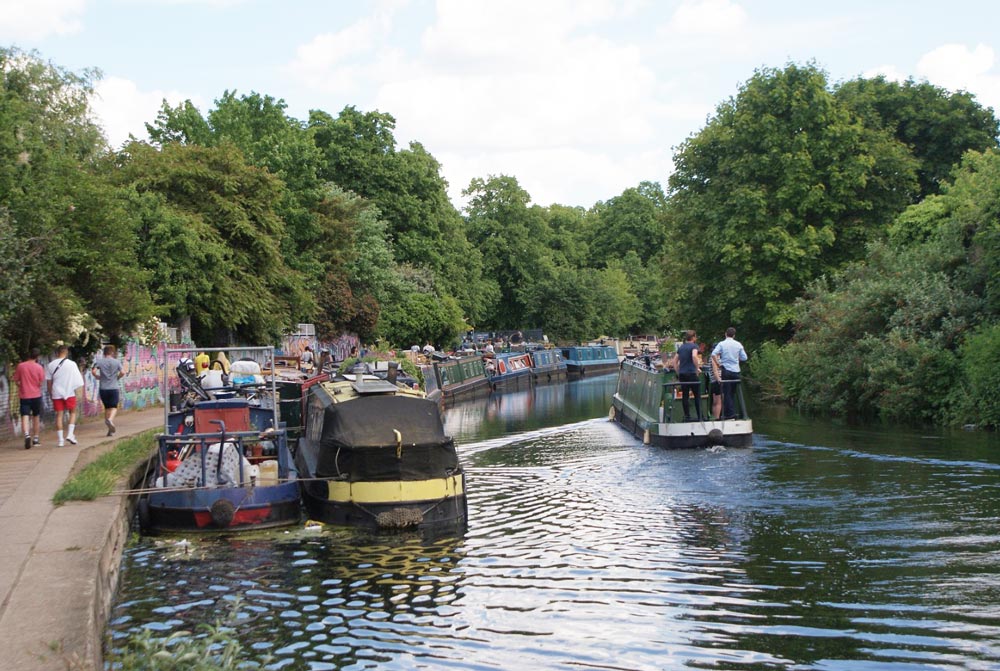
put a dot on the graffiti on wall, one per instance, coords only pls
(140, 388)
(340, 348)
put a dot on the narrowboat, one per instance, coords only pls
(547, 365)
(590, 360)
(223, 461)
(375, 456)
(509, 370)
(453, 379)
(647, 404)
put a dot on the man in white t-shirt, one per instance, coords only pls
(63, 378)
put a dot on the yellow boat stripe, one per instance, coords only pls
(394, 491)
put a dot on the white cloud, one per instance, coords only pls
(22, 20)
(708, 17)
(565, 175)
(122, 109)
(956, 67)
(340, 62)
(890, 72)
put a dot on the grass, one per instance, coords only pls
(102, 476)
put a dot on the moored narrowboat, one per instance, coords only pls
(547, 365)
(375, 456)
(456, 378)
(647, 404)
(509, 370)
(590, 359)
(223, 461)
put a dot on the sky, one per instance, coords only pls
(578, 100)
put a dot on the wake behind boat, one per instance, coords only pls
(647, 404)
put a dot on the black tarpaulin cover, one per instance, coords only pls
(358, 441)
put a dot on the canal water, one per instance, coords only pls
(824, 547)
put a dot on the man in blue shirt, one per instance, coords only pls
(729, 353)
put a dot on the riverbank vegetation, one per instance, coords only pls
(847, 230)
(104, 474)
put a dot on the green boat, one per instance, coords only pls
(647, 404)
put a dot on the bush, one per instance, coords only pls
(979, 402)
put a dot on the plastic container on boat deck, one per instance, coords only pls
(268, 473)
(212, 379)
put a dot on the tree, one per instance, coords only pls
(783, 185)
(59, 213)
(937, 126)
(909, 332)
(359, 154)
(633, 222)
(211, 238)
(513, 239)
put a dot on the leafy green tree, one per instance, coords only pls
(633, 222)
(259, 126)
(359, 153)
(65, 233)
(211, 238)
(513, 239)
(782, 185)
(891, 335)
(938, 126)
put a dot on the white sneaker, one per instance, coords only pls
(71, 439)
(61, 443)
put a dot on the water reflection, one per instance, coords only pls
(824, 547)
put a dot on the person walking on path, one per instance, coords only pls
(109, 371)
(29, 376)
(730, 353)
(687, 364)
(63, 378)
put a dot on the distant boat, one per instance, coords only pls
(374, 455)
(454, 379)
(647, 404)
(223, 461)
(509, 370)
(548, 365)
(590, 359)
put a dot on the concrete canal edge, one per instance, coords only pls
(55, 616)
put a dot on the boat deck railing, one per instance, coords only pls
(659, 400)
(249, 447)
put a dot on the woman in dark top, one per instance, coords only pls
(687, 363)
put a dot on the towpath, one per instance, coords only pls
(58, 564)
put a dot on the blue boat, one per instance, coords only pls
(647, 403)
(509, 370)
(223, 461)
(590, 360)
(547, 365)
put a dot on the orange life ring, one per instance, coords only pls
(501, 366)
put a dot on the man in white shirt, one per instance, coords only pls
(63, 378)
(728, 354)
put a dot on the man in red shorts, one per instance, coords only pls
(64, 378)
(29, 376)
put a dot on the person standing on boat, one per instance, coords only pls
(306, 362)
(687, 363)
(730, 353)
(109, 371)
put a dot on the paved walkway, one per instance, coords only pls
(58, 565)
